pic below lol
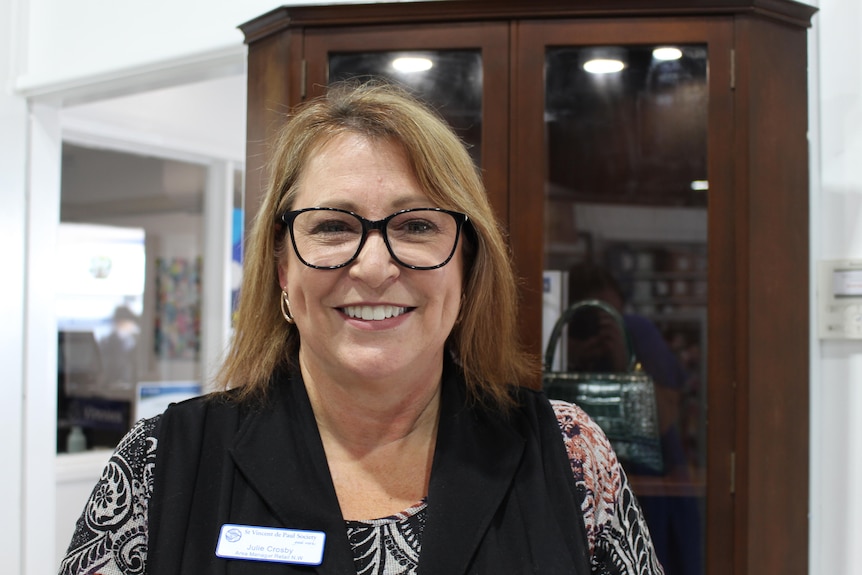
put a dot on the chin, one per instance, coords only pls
(384, 363)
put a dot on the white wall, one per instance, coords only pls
(99, 37)
(13, 129)
(836, 219)
(63, 45)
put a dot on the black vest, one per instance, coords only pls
(502, 498)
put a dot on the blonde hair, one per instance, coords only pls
(485, 339)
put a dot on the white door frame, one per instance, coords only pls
(45, 138)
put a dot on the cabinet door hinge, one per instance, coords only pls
(732, 69)
(732, 472)
(303, 75)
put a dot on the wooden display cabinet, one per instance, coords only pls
(742, 125)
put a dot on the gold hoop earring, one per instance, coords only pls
(285, 307)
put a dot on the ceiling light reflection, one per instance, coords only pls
(603, 66)
(410, 64)
(667, 53)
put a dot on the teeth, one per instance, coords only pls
(376, 312)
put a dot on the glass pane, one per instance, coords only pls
(128, 305)
(626, 200)
(449, 80)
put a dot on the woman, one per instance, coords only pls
(371, 417)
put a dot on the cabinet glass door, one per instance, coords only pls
(623, 125)
(450, 80)
(626, 224)
(446, 66)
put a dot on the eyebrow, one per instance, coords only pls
(402, 202)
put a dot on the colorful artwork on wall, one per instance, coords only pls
(178, 308)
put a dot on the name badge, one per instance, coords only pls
(270, 544)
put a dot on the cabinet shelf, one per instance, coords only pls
(652, 486)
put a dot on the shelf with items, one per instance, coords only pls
(666, 282)
(659, 276)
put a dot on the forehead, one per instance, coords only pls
(355, 172)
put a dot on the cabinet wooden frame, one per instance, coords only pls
(758, 297)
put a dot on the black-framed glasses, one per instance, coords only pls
(331, 238)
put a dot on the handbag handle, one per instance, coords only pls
(566, 316)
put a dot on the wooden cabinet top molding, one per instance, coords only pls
(791, 12)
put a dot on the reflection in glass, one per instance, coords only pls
(626, 199)
(449, 80)
(99, 303)
(636, 136)
(128, 307)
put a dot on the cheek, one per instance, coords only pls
(452, 294)
(309, 289)
(290, 279)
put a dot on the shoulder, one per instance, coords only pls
(593, 463)
(591, 457)
(206, 401)
(616, 530)
(136, 452)
(191, 415)
(112, 530)
(579, 431)
(594, 466)
(590, 453)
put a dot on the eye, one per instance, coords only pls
(323, 223)
(418, 222)
(418, 226)
(334, 226)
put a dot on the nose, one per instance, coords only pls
(374, 264)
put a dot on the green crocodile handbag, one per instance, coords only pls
(622, 404)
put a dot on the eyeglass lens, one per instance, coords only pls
(422, 238)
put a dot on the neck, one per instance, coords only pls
(365, 416)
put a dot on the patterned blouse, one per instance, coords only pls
(111, 534)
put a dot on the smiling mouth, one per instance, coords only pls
(373, 312)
